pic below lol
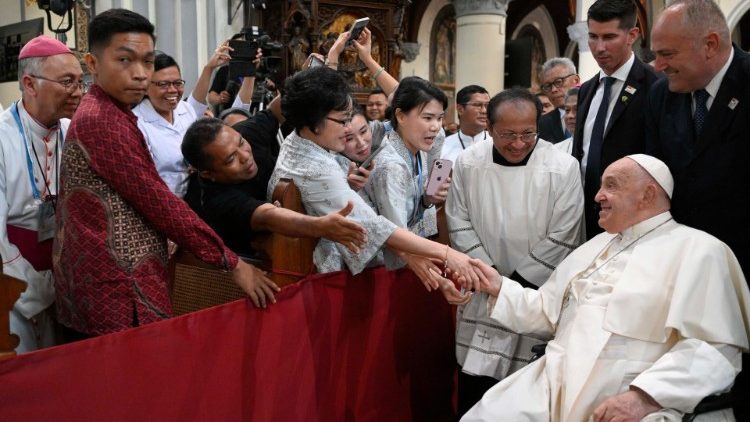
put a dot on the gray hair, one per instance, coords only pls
(29, 66)
(704, 15)
(558, 61)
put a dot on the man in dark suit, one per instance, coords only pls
(558, 76)
(609, 123)
(698, 123)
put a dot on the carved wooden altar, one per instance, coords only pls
(312, 26)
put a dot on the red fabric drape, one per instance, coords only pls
(375, 347)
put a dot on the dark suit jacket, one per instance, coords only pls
(624, 134)
(711, 171)
(550, 127)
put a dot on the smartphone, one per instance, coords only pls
(441, 169)
(365, 164)
(315, 61)
(243, 54)
(357, 28)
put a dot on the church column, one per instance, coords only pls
(579, 32)
(480, 43)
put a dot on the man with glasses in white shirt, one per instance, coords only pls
(471, 105)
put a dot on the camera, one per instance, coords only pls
(246, 49)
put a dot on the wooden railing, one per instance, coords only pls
(10, 290)
(196, 285)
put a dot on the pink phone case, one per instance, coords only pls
(441, 169)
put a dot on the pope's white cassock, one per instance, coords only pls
(20, 245)
(661, 306)
(518, 218)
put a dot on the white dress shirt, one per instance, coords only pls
(620, 75)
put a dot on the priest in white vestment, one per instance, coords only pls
(32, 132)
(520, 213)
(648, 318)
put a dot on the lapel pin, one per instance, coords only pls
(624, 98)
(733, 103)
(630, 89)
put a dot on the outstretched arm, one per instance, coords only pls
(334, 226)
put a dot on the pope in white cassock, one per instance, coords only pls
(32, 131)
(648, 318)
(516, 203)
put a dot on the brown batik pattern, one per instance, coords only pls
(114, 214)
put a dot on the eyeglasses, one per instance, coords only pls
(558, 83)
(179, 83)
(345, 122)
(477, 105)
(68, 84)
(511, 136)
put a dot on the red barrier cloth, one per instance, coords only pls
(375, 347)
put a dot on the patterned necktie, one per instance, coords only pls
(593, 161)
(701, 110)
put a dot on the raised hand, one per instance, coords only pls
(363, 44)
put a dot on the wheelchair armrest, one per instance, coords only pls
(710, 404)
(538, 351)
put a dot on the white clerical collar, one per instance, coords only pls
(639, 229)
(476, 138)
(621, 74)
(38, 130)
(713, 87)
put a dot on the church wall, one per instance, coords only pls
(188, 30)
(16, 11)
(421, 65)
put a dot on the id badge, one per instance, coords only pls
(46, 220)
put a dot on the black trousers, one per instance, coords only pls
(741, 391)
(471, 388)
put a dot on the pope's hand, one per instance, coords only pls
(630, 406)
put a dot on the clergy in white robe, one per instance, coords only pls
(520, 217)
(522, 220)
(649, 317)
(32, 132)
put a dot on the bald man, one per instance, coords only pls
(633, 332)
(697, 122)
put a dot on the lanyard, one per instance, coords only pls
(415, 216)
(29, 163)
(462, 141)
